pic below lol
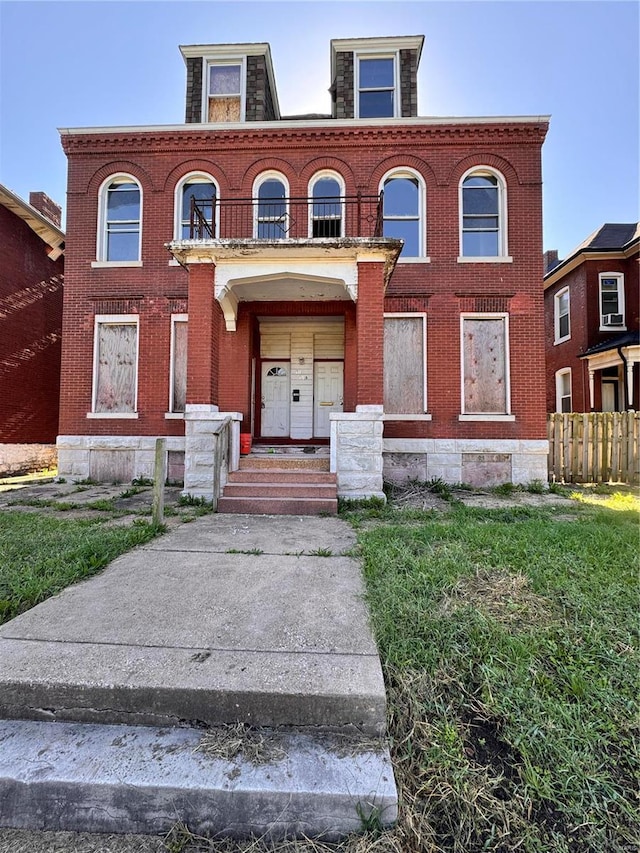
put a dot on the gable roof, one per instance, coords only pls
(41, 225)
(621, 238)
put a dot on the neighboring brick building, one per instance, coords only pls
(591, 315)
(283, 292)
(31, 280)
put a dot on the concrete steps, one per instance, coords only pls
(110, 690)
(281, 484)
(131, 779)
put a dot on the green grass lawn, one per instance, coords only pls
(508, 639)
(509, 643)
(40, 555)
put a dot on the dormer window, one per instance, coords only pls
(375, 77)
(376, 87)
(224, 91)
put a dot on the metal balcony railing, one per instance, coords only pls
(282, 218)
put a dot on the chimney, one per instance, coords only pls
(46, 206)
(550, 260)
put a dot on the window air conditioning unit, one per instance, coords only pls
(612, 320)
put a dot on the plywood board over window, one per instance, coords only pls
(224, 109)
(179, 378)
(484, 359)
(117, 355)
(404, 364)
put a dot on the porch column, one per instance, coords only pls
(203, 337)
(592, 389)
(369, 333)
(201, 410)
(629, 383)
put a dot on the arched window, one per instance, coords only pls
(204, 193)
(120, 219)
(403, 211)
(483, 214)
(271, 210)
(326, 211)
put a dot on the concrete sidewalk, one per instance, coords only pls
(229, 619)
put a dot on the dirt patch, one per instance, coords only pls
(486, 500)
(503, 596)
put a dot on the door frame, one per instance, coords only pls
(313, 409)
(257, 434)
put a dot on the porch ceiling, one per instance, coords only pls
(298, 270)
(282, 287)
(290, 288)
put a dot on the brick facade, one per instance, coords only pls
(31, 286)
(221, 360)
(583, 284)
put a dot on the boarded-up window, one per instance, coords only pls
(225, 81)
(484, 356)
(116, 369)
(179, 366)
(404, 364)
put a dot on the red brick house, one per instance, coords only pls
(367, 279)
(31, 283)
(591, 317)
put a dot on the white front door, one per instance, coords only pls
(327, 395)
(275, 399)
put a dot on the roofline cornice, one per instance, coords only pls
(288, 124)
(401, 131)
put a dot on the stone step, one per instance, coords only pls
(310, 463)
(280, 475)
(124, 779)
(278, 505)
(276, 489)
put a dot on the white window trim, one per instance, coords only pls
(410, 416)
(175, 318)
(203, 178)
(621, 306)
(556, 316)
(318, 176)
(503, 221)
(269, 175)
(101, 238)
(487, 416)
(408, 172)
(208, 61)
(114, 320)
(377, 54)
(559, 374)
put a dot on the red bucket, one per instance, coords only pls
(245, 443)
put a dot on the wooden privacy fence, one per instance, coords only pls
(597, 447)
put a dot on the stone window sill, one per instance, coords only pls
(112, 415)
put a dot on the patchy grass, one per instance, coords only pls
(509, 645)
(40, 555)
(507, 640)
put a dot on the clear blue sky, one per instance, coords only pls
(77, 64)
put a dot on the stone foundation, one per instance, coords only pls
(19, 459)
(112, 459)
(476, 462)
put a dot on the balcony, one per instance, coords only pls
(272, 219)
